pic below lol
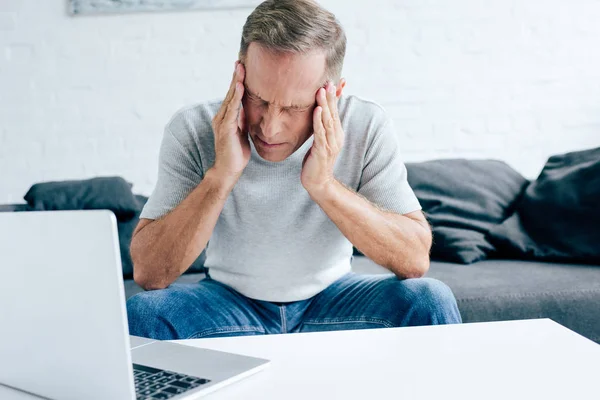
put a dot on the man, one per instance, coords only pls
(287, 177)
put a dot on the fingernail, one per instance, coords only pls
(331, 88)
(237, 69)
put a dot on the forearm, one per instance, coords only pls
(162, 250)
(394, 241)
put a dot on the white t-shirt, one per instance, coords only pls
(272, 242)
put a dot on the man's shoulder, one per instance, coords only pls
(361, 119)
(355, 110)
(356, 105)
(194, 121)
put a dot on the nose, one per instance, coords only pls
(270, 124)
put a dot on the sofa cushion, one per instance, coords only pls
(109, 193)
(557, 218)
(463, 200)
(498, 290)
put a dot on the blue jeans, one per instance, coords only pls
(211, 309)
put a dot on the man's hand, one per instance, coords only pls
(232, 148)
(317, 168)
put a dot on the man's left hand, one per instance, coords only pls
(317, 167)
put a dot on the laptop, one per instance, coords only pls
(63, 321)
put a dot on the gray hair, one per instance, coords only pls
(296, 26)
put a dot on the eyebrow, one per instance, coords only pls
(293, 106)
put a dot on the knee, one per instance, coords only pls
(428, 291)
(146, 303)
(150, 312)
(430, 301)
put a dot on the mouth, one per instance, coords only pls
(266, 145)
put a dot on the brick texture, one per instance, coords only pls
(516, 80)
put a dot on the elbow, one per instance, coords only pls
(144, 274)
(146, 280)
(414, 261)
(416, 268)
(420, 267)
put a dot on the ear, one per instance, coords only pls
(340, 88)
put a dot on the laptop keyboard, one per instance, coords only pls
(152, 383)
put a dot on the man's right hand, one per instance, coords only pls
(232, 147)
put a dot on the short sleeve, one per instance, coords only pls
(384, 177)
(179, 172)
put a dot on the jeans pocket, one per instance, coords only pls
(343, 325)
(228, 331)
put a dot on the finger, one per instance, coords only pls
(332, 101)
(322, 102)
(242, 123)
(231, 89)
(238, 76)
(321, 97)
(329, 123)
(234, 79)
(319, 129)
(233, 107)
(339, 135)
(335, 115)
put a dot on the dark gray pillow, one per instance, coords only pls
(558, 217)
(106, 193)
(463, 200)
(126, 229)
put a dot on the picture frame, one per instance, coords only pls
(78, 7)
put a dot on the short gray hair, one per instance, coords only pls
(296, 26)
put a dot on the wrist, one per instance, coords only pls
(322, 191)
(223, 182)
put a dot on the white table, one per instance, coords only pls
(532, 359)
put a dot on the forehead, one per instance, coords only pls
(284, 79)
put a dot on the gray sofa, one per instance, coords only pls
(495, 290)
(498, 290)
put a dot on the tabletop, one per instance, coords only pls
(526, 359)
(496, 360)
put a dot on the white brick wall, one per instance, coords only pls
(516, 80)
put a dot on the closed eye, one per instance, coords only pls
(257, 101)
(252, 97)
(296, 109)
(262, 103)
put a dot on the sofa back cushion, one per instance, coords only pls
(107, 193)
(558, 217)
(463, 199)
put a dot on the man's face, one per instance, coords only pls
(280, 98)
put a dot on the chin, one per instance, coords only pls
(273, 157)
